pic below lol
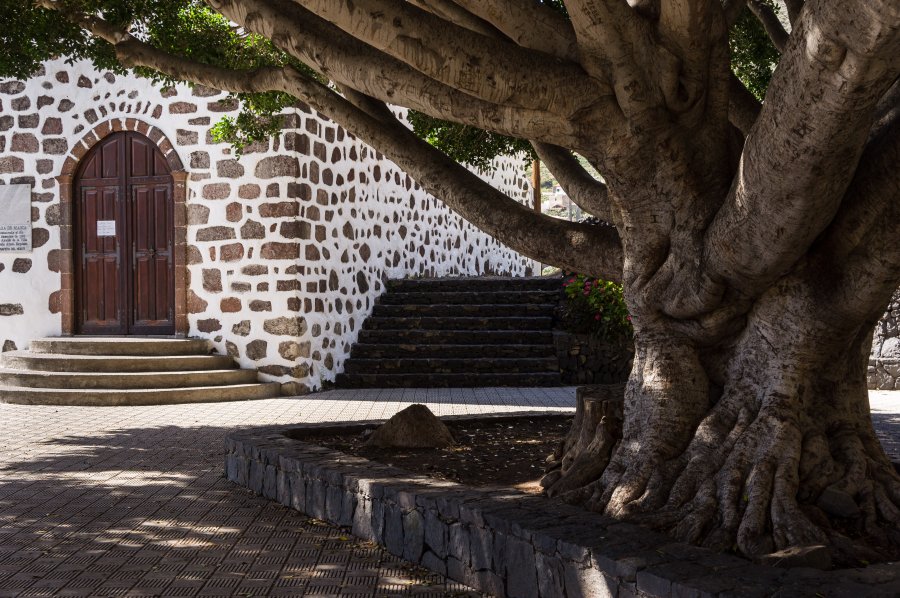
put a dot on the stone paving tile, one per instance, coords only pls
(131, 501)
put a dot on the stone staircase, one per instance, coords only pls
(125, 371)
(458, 332)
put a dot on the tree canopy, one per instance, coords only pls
(755, 240)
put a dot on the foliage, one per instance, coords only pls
(597, 307)
(753, 56)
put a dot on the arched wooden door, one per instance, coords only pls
(124, 239)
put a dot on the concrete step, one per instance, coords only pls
(439, 365)
(381, 351)
(464, 310)
(461, 297)
(480, 284)
(456, 337)
(135, 346)
(468, 380)
(152, 396)
(461, 323)
(25, 360)
(133, 380)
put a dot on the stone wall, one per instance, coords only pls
(507, 543)
(287, 246)
(884, 363)
(586, 359)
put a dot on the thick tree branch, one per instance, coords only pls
(528, 23)
(493, 70)
(769, 20)
(593, 250)
(454, 13)
(743, 107)
(582, 188)
(804, 149)
(351, 63)
(794, 7)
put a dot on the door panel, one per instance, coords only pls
(126, 281)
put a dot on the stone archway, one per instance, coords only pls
(66, 300)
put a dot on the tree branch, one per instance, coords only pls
(494, 70)
(587, 192)
(351, 63)
(593, 250)
(530, 24)
(769, 20)
(794, 7)
(743, 107)
(818, 111)
(454, 13)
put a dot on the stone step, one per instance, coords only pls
(437, 365)
(456, 337)
(133, 380)
(152, 396)
(462, 323)
(467, 310)
(468, 380)
(135, 346)
(462, 298)
(479, 285)
(381, 351)
(25, 360)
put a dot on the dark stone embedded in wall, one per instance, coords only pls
(212, 280)
(52, 126)
(242, 328)
(280, 251)
(39, 237)
(25, 143)
(257, 349)
(232, 252)
(182, 108)
(230, 305)
(216, 191)
(196, 304)
(275, 166)
(586, 359)
(9, 345)
(209, 325)
(11, 165)
(260, 305)
(285, 326)
(199, 160)
(12, 87)
(230, 169)
(198, 214)
(56, 146)
(215, 233)
(11, 309)
(21, 265)
(253, 230)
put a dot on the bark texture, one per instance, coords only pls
(756, 243)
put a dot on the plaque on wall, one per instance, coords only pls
(15, 218)
(106, 228)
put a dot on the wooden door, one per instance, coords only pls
(124, 239)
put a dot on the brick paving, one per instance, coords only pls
(131, 501)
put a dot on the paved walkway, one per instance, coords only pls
(130, 501)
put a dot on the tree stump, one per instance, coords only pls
(584, 454)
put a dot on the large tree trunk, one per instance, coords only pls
(757, 443)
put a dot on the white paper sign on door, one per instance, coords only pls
(106, 228)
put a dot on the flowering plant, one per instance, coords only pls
(596, 306)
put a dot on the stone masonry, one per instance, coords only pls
(884, 363)
(286, 248)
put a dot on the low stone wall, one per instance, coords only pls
(585, 359)
(504, 542)
(884, 363)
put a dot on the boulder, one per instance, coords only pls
(414, 427)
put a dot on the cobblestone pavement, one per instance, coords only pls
(130, 501)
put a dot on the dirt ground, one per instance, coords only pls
(500, 453)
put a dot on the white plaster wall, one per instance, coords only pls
(359, 221)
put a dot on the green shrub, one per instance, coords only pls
(595, 306)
